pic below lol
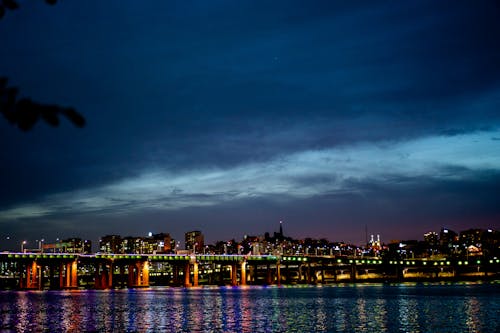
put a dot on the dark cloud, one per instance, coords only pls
(182, 86)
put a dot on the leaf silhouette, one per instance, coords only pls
(25, 113)
(13, 4)
(77, 119)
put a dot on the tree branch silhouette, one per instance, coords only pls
(25, 113)
(13, 5)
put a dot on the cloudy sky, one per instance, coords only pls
(229, 116)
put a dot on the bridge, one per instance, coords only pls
(102, 271)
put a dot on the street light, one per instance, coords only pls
(22, 246)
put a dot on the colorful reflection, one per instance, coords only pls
(351, 308)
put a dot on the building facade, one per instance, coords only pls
(194, 241)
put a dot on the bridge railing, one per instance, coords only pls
(283, 259)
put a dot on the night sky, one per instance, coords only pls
(229, 116)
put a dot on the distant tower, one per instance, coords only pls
(281, 229)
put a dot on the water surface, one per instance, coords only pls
(458, 307)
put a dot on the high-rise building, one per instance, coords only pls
(110, 244)
(431, 238)
(162, 243)
(446, 239)
(133, 245)
(472, 237)
(76, 245)
(194, 241)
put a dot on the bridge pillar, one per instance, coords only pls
(221, 274)
(254, 273)
(195, 274)
(29, 276)
(103, 277)
(175, 277)
(68, 275)
(138, 274)
(187, 274)
(243, 276)
(308, 273)
(353, 272)
(269, 276)
(211, 275)
(97, 276)
(234, 274)
(61, 275)
(278, 273)
(400, 275)
(122, 275)
(110, 275)
(52, 285)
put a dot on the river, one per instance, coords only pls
(403, 307)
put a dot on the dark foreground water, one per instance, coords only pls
(460, 307)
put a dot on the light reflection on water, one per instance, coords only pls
(342, 308)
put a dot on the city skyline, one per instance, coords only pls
(181, 242)
(221, 117)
